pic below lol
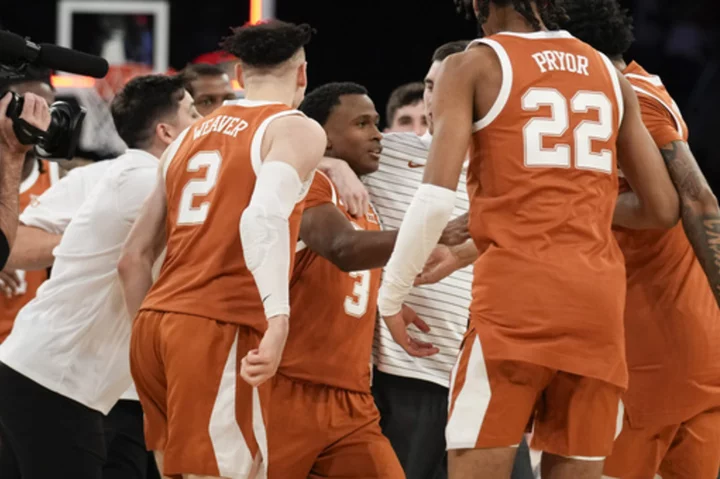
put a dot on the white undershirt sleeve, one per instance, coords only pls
(265, 233)
(424, 221)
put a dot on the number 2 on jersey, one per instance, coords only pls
(559, 157)
(187, 213)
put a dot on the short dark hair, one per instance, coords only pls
(450, 48)
(603, 24)
(142, 103)
(407, 94)
(550, 12)
(196, 70)
(319, 103)
(30, 74)
(268, 44)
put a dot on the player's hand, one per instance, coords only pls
(398, 323)
(10, 283)
(260, 364)
(441, 264)
(35, 111)
(456, 232)
(351, 190)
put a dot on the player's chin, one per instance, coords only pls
(372, 161)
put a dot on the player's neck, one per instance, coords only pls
(619, 63)
(509, 20)
(155, 150)
(279, 90)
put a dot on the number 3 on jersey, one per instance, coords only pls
(357, 301)
(587, 131)
(187, 213)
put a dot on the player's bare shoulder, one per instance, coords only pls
(297, 132)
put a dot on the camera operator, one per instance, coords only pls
(12, 157)
(20, 283)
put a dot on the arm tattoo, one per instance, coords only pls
(699, 210)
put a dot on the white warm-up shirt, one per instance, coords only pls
(74, 336)
(443, 306)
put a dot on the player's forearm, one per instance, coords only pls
(420, 231)
(699, 210)
(465, 253)
(135, 271)
(631, 213)
(10, 173)
(362, 250)
(33, 249)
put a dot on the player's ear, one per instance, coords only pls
(302, 75)
(164, 133)
(239, 75)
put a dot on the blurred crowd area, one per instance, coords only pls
(679, 41)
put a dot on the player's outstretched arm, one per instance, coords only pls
(293, 146)
(698, 209)
(326, 231)
(143, 246)
(654, 202)
(33, 249)
(433, 203)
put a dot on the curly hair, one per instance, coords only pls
(550, 12)
(603, 24)
(268, 44)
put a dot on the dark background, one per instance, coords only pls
(384, 43)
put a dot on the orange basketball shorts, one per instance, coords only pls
(318, 431)
(690, 450)
(198, 410)
(492, 401)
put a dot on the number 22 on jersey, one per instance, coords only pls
(557, 125)
(198, 187)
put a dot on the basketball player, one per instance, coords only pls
(548, 116)
(212, 329)
(672, 320)
(37, 176)
(66, 358)
(209, 86)
(324, 421)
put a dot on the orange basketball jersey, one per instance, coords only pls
(43, 176)
(671, 318)
(550, 287)
(209, 179)
(332, 312)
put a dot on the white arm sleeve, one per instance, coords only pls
(424, 221)
(265, 234)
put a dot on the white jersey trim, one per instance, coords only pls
(256, 145)
(172, 151)
(505, 87)
(30, 181)
(652, 79)
(613, 72)
(678, 122)
(541, 35)
(301, 244)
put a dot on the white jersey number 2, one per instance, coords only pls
(556, 125)
(193, 215)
